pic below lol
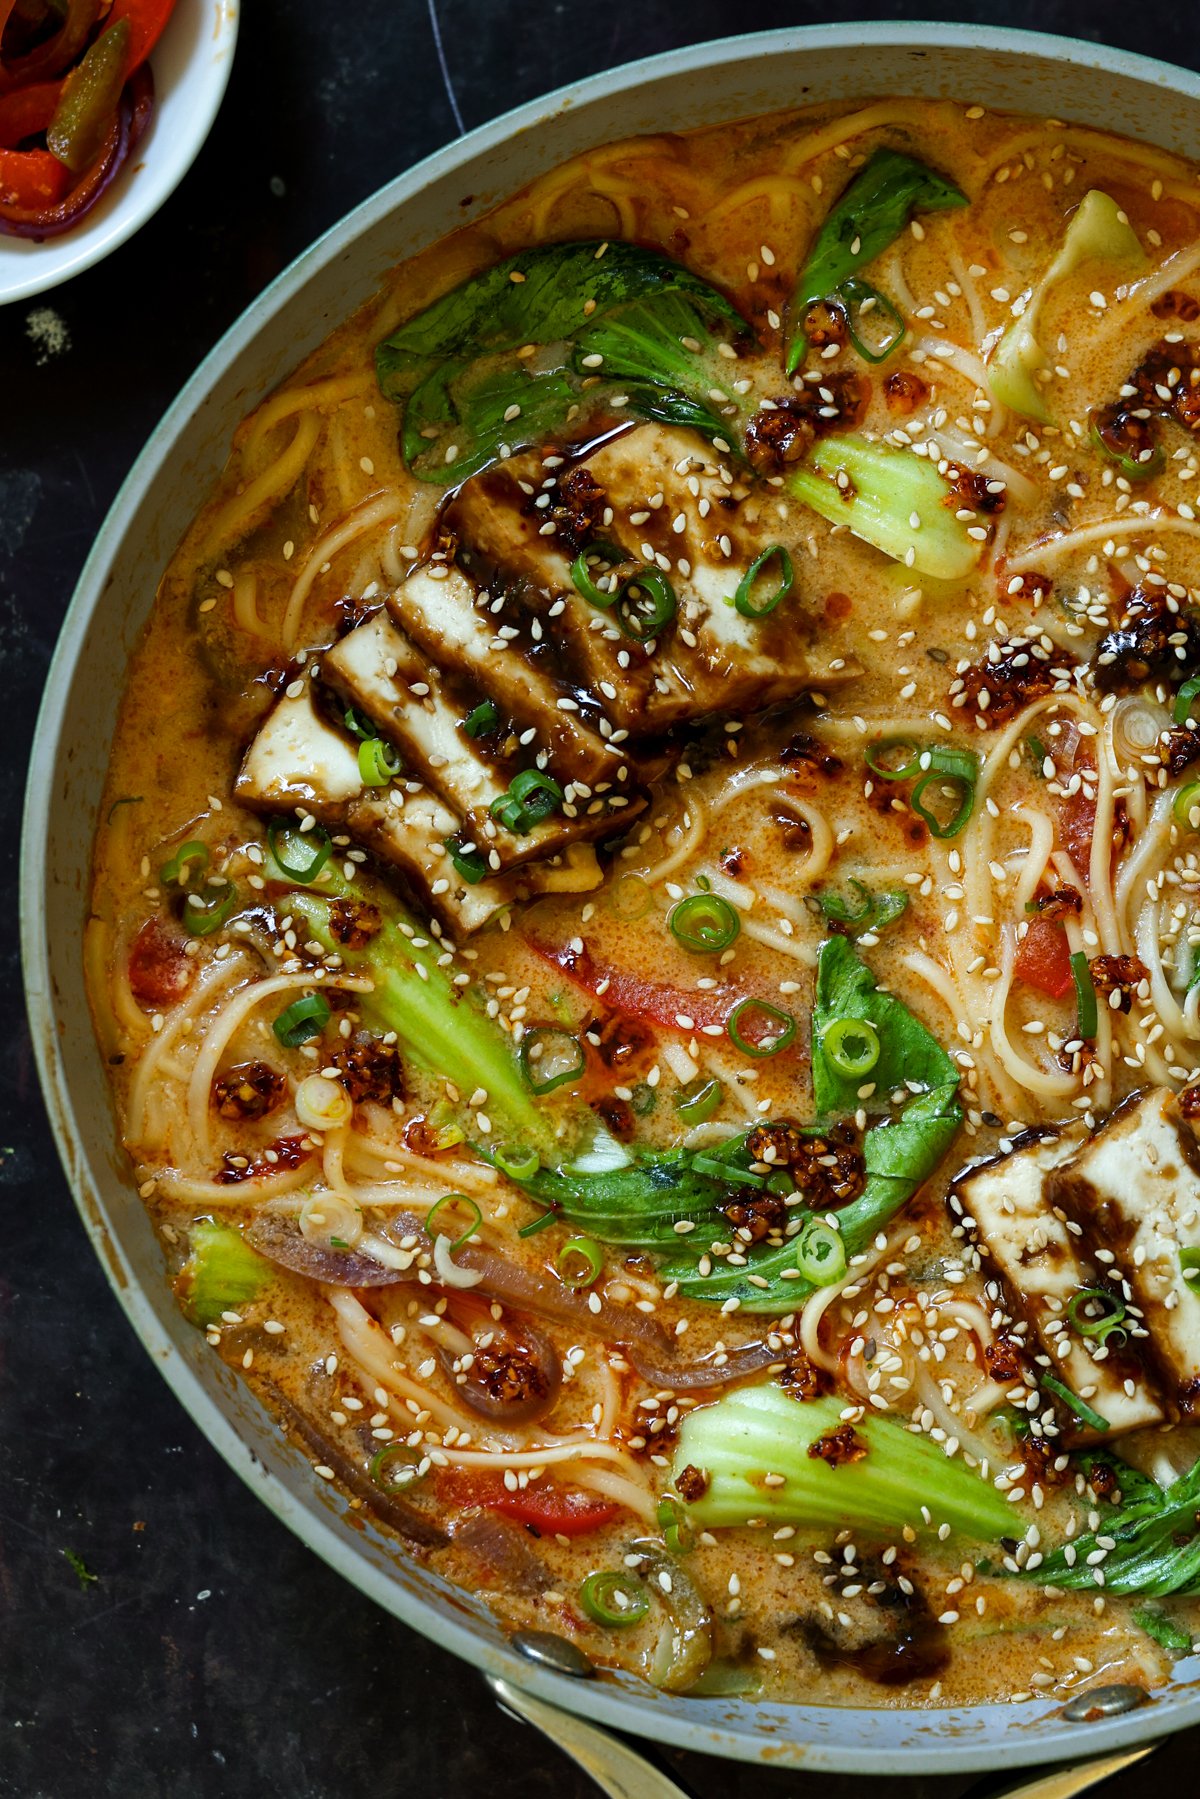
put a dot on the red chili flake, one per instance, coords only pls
(838, 1447)
(904, 392)
(249, 1090)
(692, 1483)
(289, 1152)
(353, 923)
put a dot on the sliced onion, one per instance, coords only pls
(685, 1644)
(450, 1272)
(506, 1549)
(278, 1237)
(527, 1344)
(1137, 725)
(322, 1104)
(330, 1221)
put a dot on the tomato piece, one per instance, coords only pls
(1044, 959)
(551, 1510)
(637, 998)
(26, 112)
(160, 972)
(32, 178)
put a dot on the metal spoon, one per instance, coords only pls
(624, 1772)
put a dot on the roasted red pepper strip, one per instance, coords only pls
(554, 1511)
(146, 20)
(26, 112)
(1044, 959)
(32, 178)
(636, 998)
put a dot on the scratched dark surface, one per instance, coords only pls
(214, 1657)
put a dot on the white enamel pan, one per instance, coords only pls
(1018, 71)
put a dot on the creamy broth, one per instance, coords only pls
(1036, 688)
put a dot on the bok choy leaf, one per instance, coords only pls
(553, 333)
(870, 215)
(877, 491)
(642, 1204)
(1154, 1538)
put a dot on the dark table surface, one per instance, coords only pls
(214, 1657)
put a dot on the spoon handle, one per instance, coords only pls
(1061, 1782)
(616, 1767)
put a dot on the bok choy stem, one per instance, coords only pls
(878, 491)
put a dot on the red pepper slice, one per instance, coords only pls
(26, 112)
(146, 21)
(552, 1510)
(1044, 959)
(32, 178)
(637, 998)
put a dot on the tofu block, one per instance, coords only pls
(1135, 1190)
(1043, 1265)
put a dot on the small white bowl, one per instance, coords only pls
(191, 64)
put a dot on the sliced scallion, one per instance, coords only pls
(303, 1019)
(677, 1533)
(304, 868)
(614, 1599)
(206, 908)
(631, 898)
(378, 762)
(1187, 802)
(602, 558)
(705, 923)
(888, 770)
(397, 1467)
(821, 1253)
(1095, 1312)
(1079, 1408)
(580, 1263)
(1189, 1265)
(699, 1100)
(532, 796)
(752, 603)
(852, 1046)
(187, 856)
(482, 719)
(550, 1058)
(469, 864)
(645, 604)
(952, 774)
(874, 325)
(1085, 995)
(447, 1204)
(771, 1028)
(1184, 698)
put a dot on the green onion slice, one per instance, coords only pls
(677, 1532)
(470, 865)
(1187, 801)
(852, 1045)
(550, 1057)
(890, 747)
(645, 603)
(745, 600)
(377, 762)
(821, 1253)
(614, 1599)
(549, 1216)
(1184, 698)
(953, 773)
(631, 898)
(303, 1019)
(206, 908)
(699, 1100)
(316, 842)
(517, 1161)
(482, 719)
(1079, 1407)
(580, 1262)
(532, 796)
(609, 557)
(447, 1202)
(1189, 1265)
(1085, 995)
(171, 873)
(874, 325)
(357, 723)
(1102, 1323)
(397, 1467)
(771, 1029)
(705, 923)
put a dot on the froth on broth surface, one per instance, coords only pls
(819, 966)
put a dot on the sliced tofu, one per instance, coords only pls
(381, 671)
(1043, 1264)
(665, 500)
(1135, 1189)
(299, 762)
(450, 618)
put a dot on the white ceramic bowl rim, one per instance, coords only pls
(858, 1739)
